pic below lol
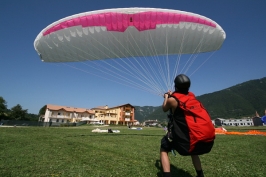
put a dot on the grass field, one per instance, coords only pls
(77, 152)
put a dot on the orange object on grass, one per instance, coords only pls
(223, 131)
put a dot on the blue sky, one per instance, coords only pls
(27, 81)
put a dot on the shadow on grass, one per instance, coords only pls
(174, 170)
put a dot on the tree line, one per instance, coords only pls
(15, 113)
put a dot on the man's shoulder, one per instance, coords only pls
(172, 102)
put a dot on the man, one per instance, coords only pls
(182, 84)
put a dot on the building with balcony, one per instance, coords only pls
(66, 114)
(118, 115)
(122, 115)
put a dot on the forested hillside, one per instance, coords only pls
(143, 112)
(237, 101)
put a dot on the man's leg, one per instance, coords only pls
(197, 165)
(165, 161)
(165, 148)
(196, 162)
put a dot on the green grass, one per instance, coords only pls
(77, 152)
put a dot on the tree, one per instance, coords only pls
(3, 108)
(18, 113)
(42, 110)
(32, 117)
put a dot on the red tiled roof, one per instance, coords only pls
(104, 107)
(69, 109)
(100, 107)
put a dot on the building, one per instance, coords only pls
(66, 114)
(118, 115)
(234, 122)
(151, 123)
(122, 115)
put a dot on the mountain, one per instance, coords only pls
(142, 112)
(238, 101)
(241, 100)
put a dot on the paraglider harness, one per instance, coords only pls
(170, 125)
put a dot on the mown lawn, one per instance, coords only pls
(77, 152)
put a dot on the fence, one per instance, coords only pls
(42, 124)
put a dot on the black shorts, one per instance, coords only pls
(166, 145)
(183, 148)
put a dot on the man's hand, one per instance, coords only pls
(169, 102)
(168, 94)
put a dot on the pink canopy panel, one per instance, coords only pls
(115, 21)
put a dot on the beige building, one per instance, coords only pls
(123, 115)
(64, 114)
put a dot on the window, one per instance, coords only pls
(57, 120)
(59, 113)
(62, 120)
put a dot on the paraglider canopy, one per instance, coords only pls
(127, 32)
(143, 45)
